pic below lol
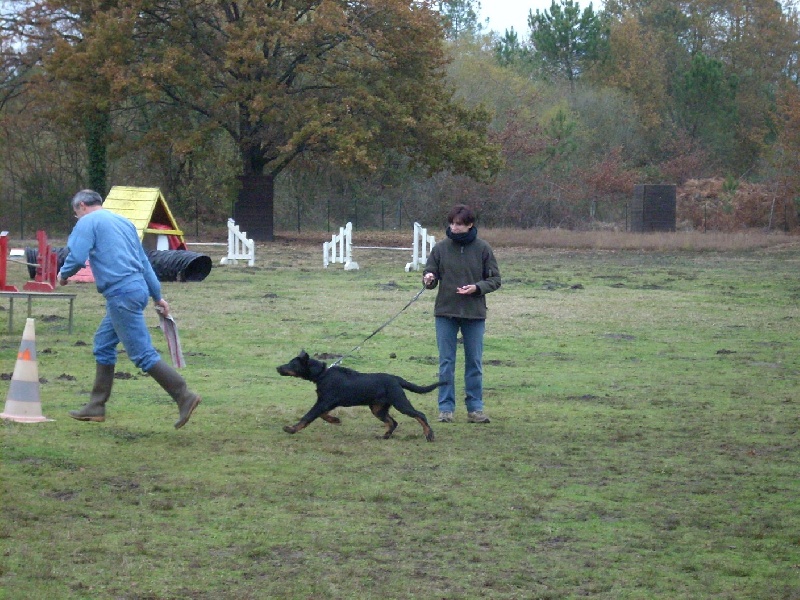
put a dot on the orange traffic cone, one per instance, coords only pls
(22, 403)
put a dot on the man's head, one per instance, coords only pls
(85, 199)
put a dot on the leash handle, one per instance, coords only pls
(357, 348)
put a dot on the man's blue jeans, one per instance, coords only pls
(472, 330)
(124, 322)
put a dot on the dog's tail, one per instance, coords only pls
(419, 389)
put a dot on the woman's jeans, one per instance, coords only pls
(447, 339)
(124, 322)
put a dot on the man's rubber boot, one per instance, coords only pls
(95, 409)
(175, 385)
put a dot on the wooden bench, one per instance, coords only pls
(30, 297)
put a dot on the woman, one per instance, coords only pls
(465, 269)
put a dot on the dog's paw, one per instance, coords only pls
(289, 429)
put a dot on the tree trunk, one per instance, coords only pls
(98, 128)
(253, 211)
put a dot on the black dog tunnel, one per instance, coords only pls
(168, 265)
(179, 265)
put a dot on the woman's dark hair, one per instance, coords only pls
(461, 214)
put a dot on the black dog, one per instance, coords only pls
(339, 386)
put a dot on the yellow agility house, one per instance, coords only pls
(149, 212)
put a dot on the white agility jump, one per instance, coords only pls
(239, 247)
(340, 248)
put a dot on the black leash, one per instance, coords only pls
(357, 348)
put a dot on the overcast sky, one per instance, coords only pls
(505, 14)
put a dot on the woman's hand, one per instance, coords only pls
(467, 290)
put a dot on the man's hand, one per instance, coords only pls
(162, 306)
(62, 281)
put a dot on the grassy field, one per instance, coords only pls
(644, 442)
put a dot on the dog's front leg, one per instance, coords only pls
(295, 428)
(326, 416)
(315, 412)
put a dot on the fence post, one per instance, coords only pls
(348, 250)
(415, 252)
(428, 243)
(419, 249)
(4, 287)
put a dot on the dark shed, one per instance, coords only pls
(653, 208)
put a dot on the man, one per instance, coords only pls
(124, 276)
(464, 268)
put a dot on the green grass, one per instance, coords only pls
(643, 444)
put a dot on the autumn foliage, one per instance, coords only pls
(728, 205)
(387, 112)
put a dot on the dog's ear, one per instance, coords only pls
(303, 355)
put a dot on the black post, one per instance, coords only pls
(253, 211)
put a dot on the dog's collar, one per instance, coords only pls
(321, 375)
